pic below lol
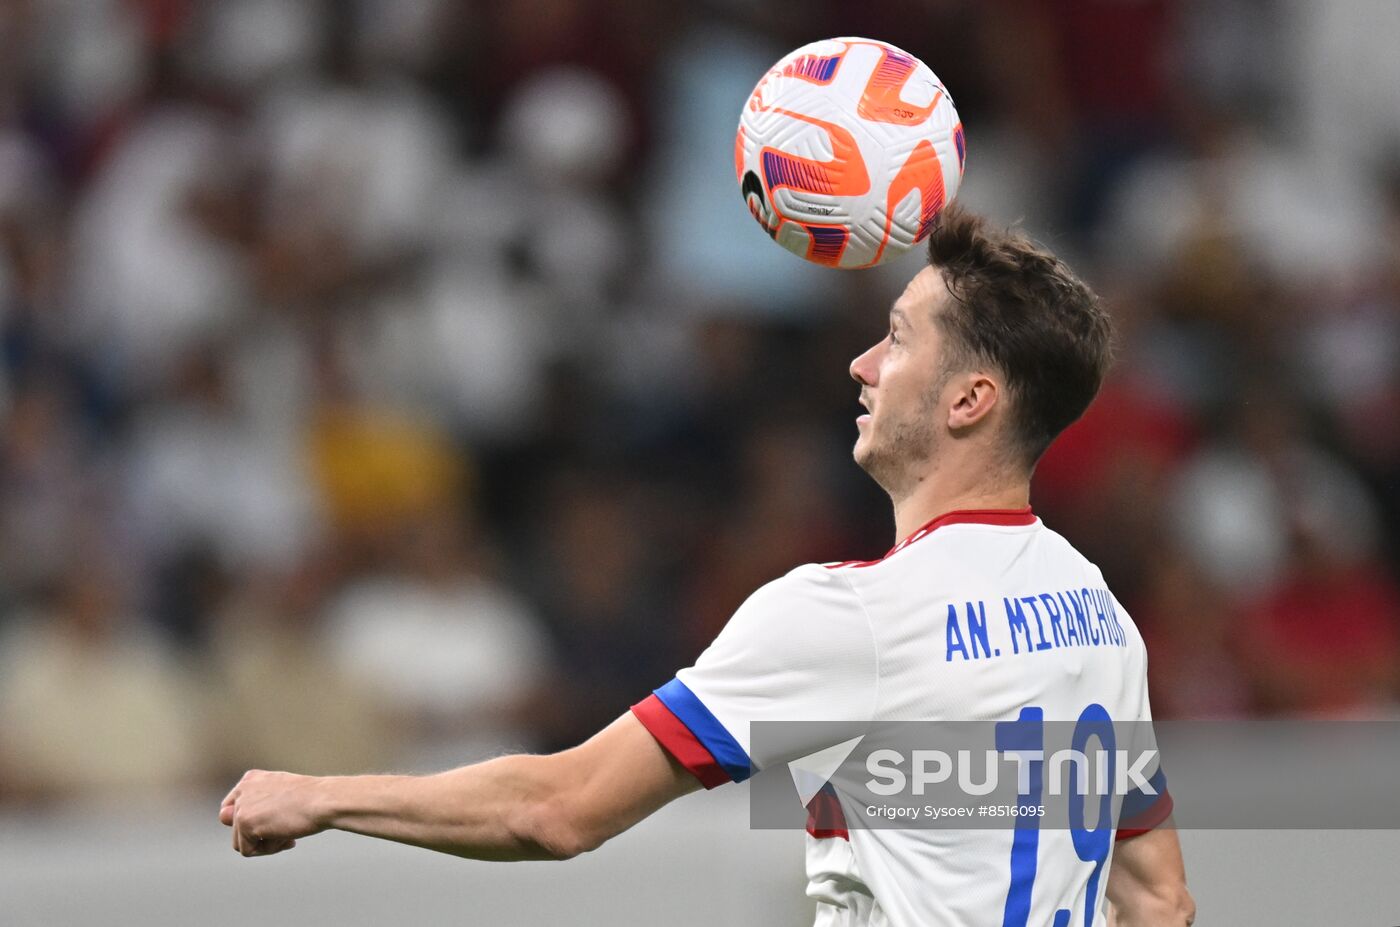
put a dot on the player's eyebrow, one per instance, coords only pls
(897, 315)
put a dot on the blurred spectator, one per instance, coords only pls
(44, 484)
(1350, 349)
(1088, 81)
(202, 477)
(1325, 641)
(1241, 507)
(150, 278)
(1192, 632)
(365, 158)
(1345, 114)
(780, 517)
(375, 466)
(282, 703)
(92, 706)
(1291, 535)
(602, 587)
(694, 216)
(467, 345)
(455, 654)
(1231, 183)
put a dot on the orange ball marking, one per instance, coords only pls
(881, 100)
(814, 69)
(923, 172)
(843, 175)
(827, 244)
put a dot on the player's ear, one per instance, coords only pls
(976, 396)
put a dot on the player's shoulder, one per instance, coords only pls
(810, 581)
(805, 593)
(1057, 542)
(808, 603)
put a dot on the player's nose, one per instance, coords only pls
(865, 369)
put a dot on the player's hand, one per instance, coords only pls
(268, 811)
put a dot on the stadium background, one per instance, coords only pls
(387, 383)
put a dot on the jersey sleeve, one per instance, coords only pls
(1145, 806)
(799, 649)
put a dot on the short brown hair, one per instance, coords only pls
(1021, 309)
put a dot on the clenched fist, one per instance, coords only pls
(268, 811)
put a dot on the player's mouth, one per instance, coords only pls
(864, 419)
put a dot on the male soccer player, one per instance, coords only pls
(993, 349)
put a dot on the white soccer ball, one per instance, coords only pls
(847, 151)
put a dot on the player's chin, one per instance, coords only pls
(863, 449)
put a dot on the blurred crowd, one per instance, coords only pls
(384, 383)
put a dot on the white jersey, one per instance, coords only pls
(975, 617)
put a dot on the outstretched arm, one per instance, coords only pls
(510, 808)
(1147, 882)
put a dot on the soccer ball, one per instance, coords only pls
(847, 151)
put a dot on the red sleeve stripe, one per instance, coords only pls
(678, 741)
(825, 819)
(1140, 824)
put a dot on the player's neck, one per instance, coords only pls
(939, 495)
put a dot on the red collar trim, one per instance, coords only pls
(1004, 518)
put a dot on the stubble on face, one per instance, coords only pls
(897, 455)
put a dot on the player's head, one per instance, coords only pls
(994, 349)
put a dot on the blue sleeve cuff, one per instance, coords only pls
(686, 706)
